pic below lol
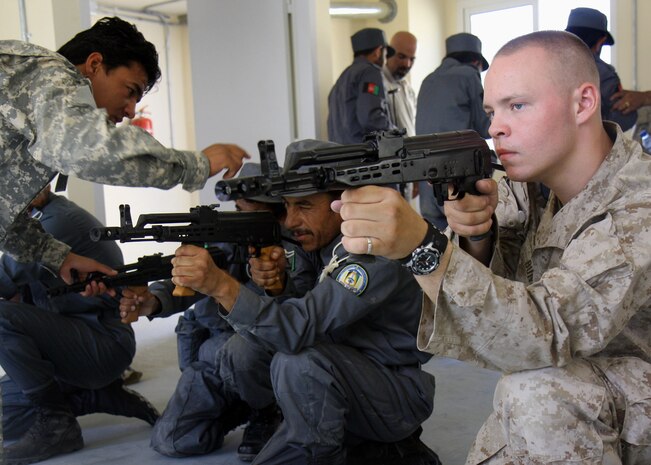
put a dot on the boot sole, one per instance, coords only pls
(66, 448)
(246, 457)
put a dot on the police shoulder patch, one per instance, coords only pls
(354, 278)
(371, 88)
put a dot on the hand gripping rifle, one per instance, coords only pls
(203, 225)
(147, 269)
(457, 159)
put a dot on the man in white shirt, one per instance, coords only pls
(401, 97)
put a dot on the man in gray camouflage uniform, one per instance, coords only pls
(558, 296)
(58, 114)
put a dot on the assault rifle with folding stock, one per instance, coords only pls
(147, 269)
(457, 159)
(201, 226)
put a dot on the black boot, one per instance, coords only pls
(114, 399)
(408, 451)
(262, 425)
(237, 413)
(130, 376)
(53, 432)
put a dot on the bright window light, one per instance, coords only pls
(498, 26)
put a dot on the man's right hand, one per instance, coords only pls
(473, 215)
(227, 157)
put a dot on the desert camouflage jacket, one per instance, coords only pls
(565, 281)
(49, 123)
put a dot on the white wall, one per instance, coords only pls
(632, 39)
(241, 75)
(171, 123)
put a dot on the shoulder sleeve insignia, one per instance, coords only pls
(371, 88)
(354, 278)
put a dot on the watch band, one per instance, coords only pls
(438, 240)
(426, 258)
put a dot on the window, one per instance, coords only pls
(497, 22)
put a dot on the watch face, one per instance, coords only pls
(425, 260)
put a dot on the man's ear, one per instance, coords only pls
(92, 65)
(588, 101)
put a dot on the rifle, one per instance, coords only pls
(457, 159)
(205, 224)
(146, 269)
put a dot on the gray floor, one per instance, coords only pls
(463, 401)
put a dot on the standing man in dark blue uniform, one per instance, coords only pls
(591, 26)
(64, 355)
(357, 102)
(451, 98)
(343, 362)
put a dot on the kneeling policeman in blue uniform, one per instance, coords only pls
(343, 363)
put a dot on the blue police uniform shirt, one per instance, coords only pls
(609, 84)
(357, 103)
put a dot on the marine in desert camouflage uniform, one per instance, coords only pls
(563, 308)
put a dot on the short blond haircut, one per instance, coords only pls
(570, 60)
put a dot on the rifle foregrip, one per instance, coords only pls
(180, 291)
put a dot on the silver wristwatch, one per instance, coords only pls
(427, 256)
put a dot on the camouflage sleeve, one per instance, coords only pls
(26, 241)
(70, 134)
(512, 217)
(574, 310)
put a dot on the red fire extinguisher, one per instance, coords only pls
(142, 121)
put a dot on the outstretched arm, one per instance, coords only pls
(225, 157)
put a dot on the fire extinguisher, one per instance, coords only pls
(142, 121)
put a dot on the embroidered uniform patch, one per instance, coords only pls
(372, 88)
(354, 278)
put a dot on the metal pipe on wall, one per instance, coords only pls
(634, 45)
(22, 11)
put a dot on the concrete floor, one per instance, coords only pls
(463, 400)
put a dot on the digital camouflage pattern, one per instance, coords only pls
(565, 312)
(49, 123)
